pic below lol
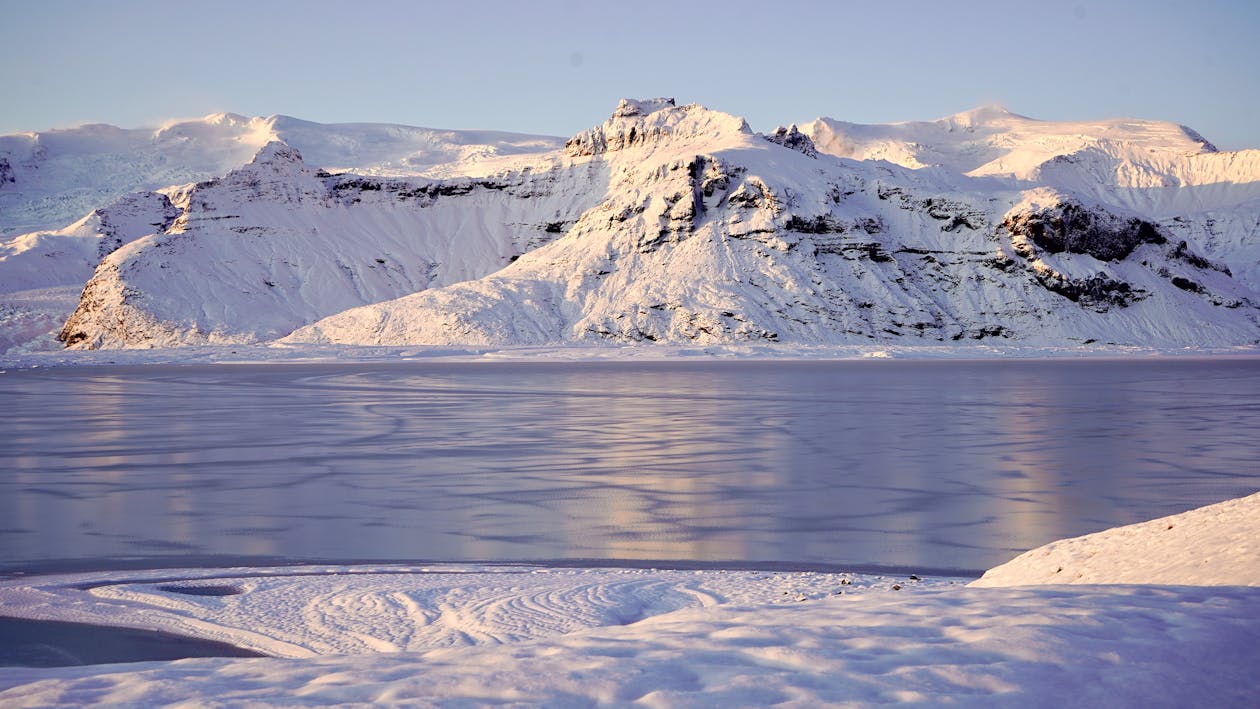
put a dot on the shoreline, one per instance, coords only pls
(319, 354)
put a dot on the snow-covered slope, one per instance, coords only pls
(42, 273)
(680, 224)
(68, 256)
(277, 244)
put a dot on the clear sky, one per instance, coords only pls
(557, 67)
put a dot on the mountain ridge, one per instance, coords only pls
(680, 224)
(93, 164)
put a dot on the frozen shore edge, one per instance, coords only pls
(313, 354)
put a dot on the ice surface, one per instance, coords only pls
(912, 464)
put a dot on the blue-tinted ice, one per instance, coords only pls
(913, 464)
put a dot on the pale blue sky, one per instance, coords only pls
(557, 67)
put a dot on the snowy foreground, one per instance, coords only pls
(1184, 631)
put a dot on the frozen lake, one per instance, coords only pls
(930, 465)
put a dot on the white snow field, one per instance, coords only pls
(1186, 632)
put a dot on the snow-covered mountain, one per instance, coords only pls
(712, 233)
(677, 224)
(125, 181)
(49, 179)
(278, 244)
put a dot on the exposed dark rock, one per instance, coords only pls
(793, 139)
(1098, 292)
(346, 186)
(957, 222)
(989, 331)
(1072, 228)
(871, 225)
(1000, 262)
(957, 215)
(6, 172)
(1186, 284)
(821, 224)
(874, 252)
(362, 184)
(1182, 253)
(72, 338)
(619, 135)
(709, 177)
(1193, 134)
(753, 194)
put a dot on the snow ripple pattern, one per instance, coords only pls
(345, 610)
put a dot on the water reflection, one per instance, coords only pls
(914, 464)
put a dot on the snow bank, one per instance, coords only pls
(1217, 545)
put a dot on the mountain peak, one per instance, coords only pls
(628, 107)
(224, 118)
(791, 137)
(988, 114)
(276, 152)
(638, 122)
